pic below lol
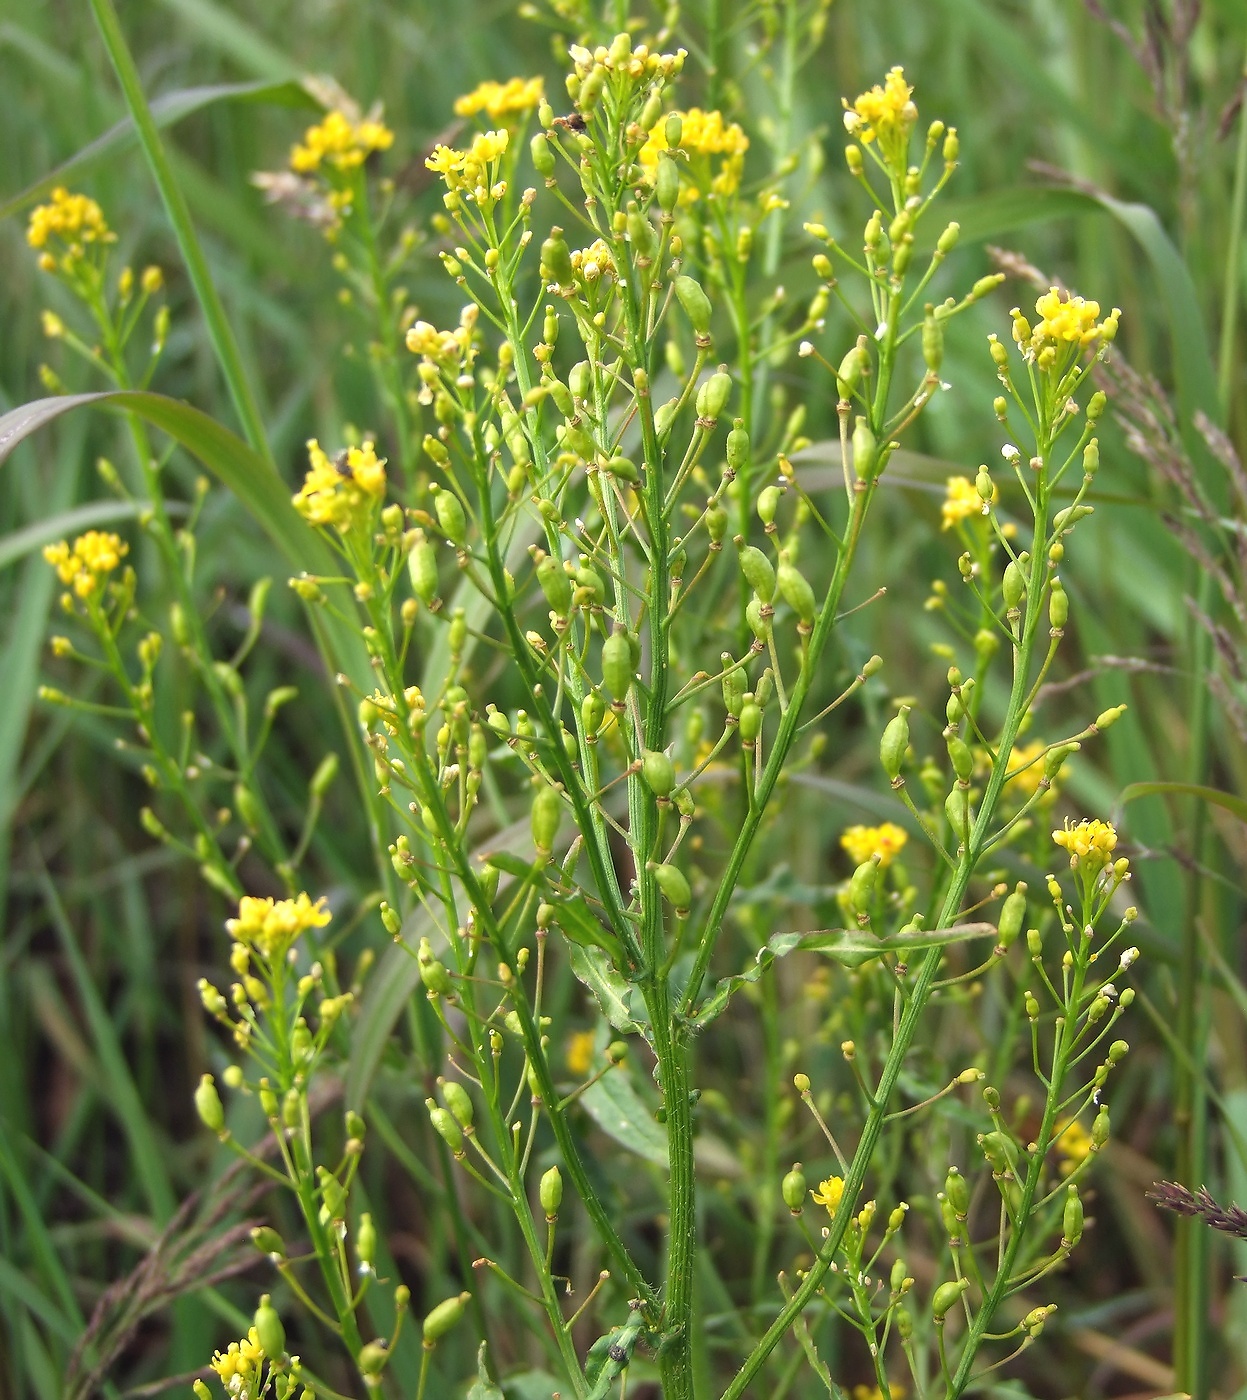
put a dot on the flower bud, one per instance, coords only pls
(695, 302)
(894, 744)
(443, 1318)
(550, 1192)
(268, 1330)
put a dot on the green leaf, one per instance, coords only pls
(610, 991)
(167, 109)
(483, 1387)
(20, 543)
(579, 926)
(850, 947)
(1236, 806)
(620, 1112)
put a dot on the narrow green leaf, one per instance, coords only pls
(1236, 806)
(19, 543)
(167, 109)
(620, 1112)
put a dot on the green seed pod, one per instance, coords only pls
(674, 885)
(580, 381)
(1013, 586)
(432, 973)
(1071, 1218)
(268, 1241)
(957, 1191)
(1001, 1152)
(443, 1318)
(793, 1188)
(366, 1241)
(373, 1357)
(422, 568)
(946, 1297)
(957, 809)
(547, 811)
(550, 1193)
(896, 1280)
(1012, 914)
(208, 1105)
(542, 154)
(625, 469)
(960, 757)
(695, 302)
(1058, 605)
(1095, 405)
(674, 131)
(1091, 457)
(750, 721)
(667, 184)
(589, 579)
(458, 1101)
(652, 110)
(759, 572)
(592, 712)
(768, 504)
(1100, 1128)
(849, 375)
(862, 886)
(664, 416)
(554, 583)
(759, 624)
(865, 450)
(733, 687)
(796, 591)
(268, 1330)
(737, 447)
(716, 522)
(556, 261)
(450, 515)
(591, 89)
(445, 1126)
(561, 395)
(659, 773)
(894, 744)
(948, 1214)
(713, 395)
(617, 666)
(933, 341)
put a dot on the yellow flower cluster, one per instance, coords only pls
(472, 173)
(829, 1193)
(1073, 1144)
(702, 135)
(621, 57)
(271, 926)
(447, 348)
(961, 501)
(885, 113)
(239, 1367)
(864, 842)
(1090, 844)
(594, 261)
(1064, 321)
(579, 1054)
(73, 218)
(500, 101)
(340, 143)
(341, 490)
(93, 556)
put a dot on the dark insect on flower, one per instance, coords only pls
(573, 122)
(342, 463)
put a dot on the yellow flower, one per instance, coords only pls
(1090, 844)
(1025, 771)
(863, 842)
(702, 135)
(340, 143)
(73, 218)
(961, 501)
(594, 261)
(1065, 322)
(271, 927)
(94, 555)
(885, 113)
(499, 101)
(1073, 1144)
(238, 1368)
(473, 172)
(829, 1193)
(341, 491)
(579, 1054)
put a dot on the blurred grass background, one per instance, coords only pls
(101, 1034)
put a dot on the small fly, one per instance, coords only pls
(573, 122)
(342, 464)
